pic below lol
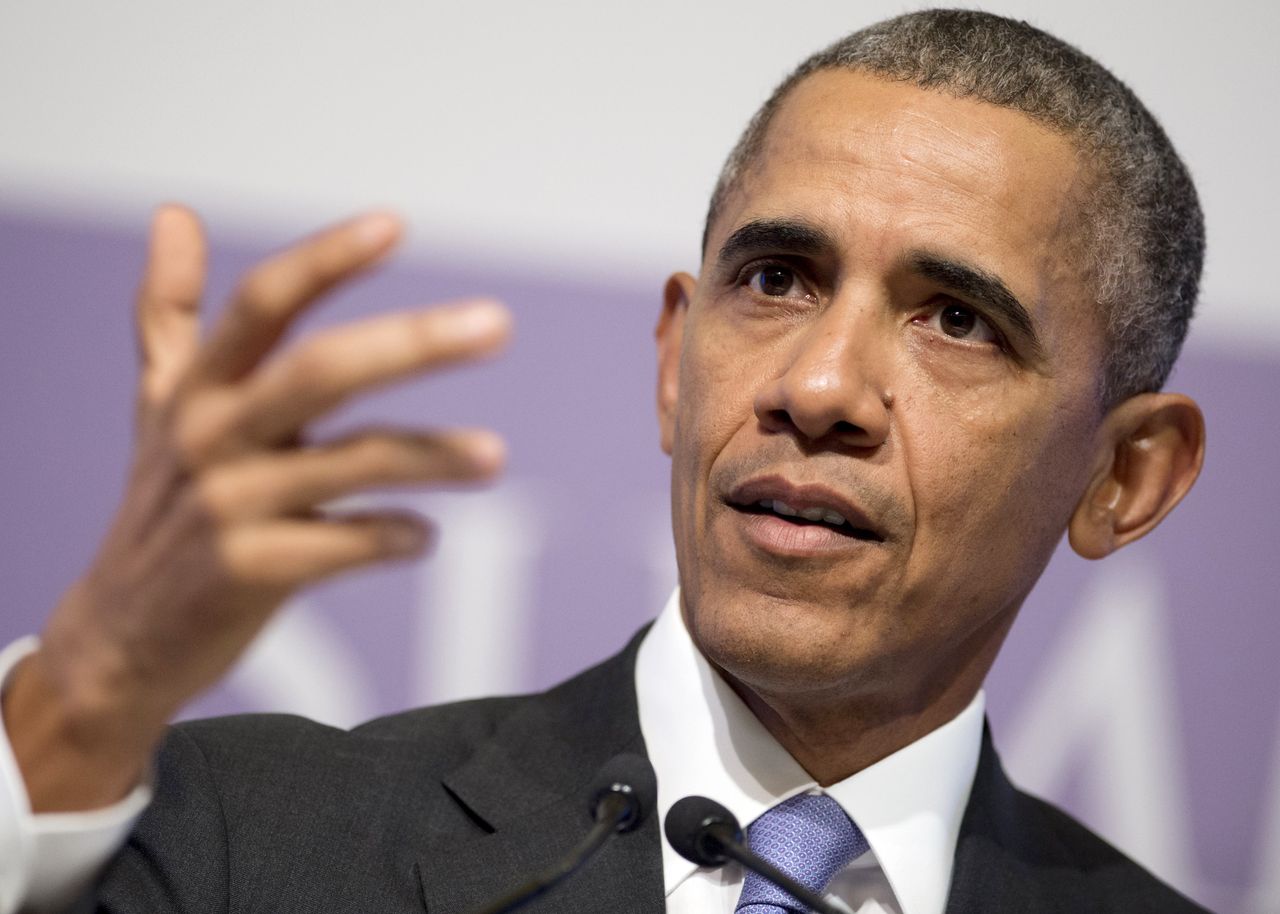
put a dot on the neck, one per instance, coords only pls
(832, 744)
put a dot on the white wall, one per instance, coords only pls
(576, 136)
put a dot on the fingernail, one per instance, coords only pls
(481, 318)
(377, 229)
(406, 539)
(488, 450)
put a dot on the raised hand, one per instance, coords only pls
(222, 518)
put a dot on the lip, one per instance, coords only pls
(781, 535)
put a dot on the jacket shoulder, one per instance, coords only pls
(1102, 871)
(276, 812)
(254, 742)
(1017, 852)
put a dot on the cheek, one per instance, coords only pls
(718, 382)
(994, 485)
(963, 379)
(715, 402)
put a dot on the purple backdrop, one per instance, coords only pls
(1149, 678)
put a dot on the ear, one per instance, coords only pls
(670, 333)
(1151, 451)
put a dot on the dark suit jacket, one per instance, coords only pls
(446, 808)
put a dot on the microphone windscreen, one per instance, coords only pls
(691, 826)
(629, 777)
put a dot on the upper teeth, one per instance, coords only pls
(823, 514)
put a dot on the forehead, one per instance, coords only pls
(887, 165)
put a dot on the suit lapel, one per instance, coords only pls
(1001, 856)
(525, 787)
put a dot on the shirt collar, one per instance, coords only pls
(702, 739)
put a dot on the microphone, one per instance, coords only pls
(621, 796)
(704, 832)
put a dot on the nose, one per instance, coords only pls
(831, 390)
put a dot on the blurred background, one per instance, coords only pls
(560, 156)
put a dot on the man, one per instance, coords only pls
(946, 272)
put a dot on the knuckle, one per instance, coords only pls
(373, 452)
(193, 442)
(200, 430)
(432, 334)
(316, 358)
(239, 557)
(398, 454)
(265, 292)
(198, 521)
(260, 565)
(213, 496)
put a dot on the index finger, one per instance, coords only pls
(272, 295)
(322, 372)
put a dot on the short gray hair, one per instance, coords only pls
(1144, 232)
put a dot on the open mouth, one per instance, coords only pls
(809, 517)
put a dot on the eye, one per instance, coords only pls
(963, 323)
(773, 280)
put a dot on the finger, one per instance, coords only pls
(168, 303)
(290, 553)
(327, 369)
(285, 483)
(276, 291)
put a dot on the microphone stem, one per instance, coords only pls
(606, 826)
(736, 851)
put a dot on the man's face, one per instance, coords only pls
(889, 336)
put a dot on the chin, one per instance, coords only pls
(785, 645)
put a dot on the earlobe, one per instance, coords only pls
(676, 296)
(1151, 451)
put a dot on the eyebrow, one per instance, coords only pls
(778, 236)
(982, 287)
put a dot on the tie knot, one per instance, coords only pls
(809, 838)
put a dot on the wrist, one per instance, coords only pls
(79, 733)
(72, 757)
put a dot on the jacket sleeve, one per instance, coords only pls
(176, 859)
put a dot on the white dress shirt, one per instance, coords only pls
(701, 739)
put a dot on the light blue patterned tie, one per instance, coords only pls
(808, 837)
